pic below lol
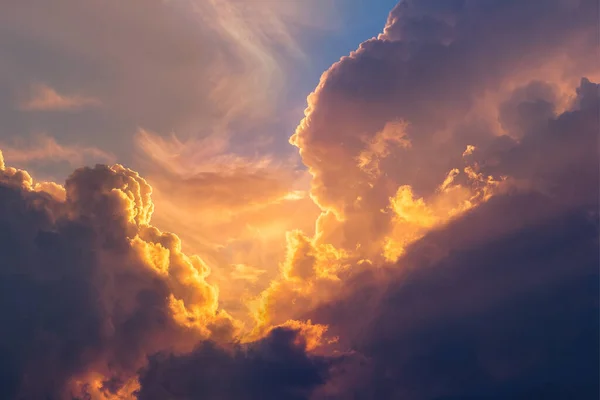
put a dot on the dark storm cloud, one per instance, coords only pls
(86, 300)
(512, 316)
(557, 155)
(499, 303)
(445, 69)
(82, 302)
(503, 302)
(276, 367)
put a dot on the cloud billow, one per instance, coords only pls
(454, 160)
(502, 302)
(276, 367)
(89, 287)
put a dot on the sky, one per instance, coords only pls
(316, 199)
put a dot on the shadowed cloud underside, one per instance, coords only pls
(436, 237)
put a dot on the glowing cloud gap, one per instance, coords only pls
(453, 254)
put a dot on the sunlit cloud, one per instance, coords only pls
(44, 148)
(232, 209)
(246, 272)
(440, 198)
(192, 156)
(45, 98)
(199, 68)
(261, 40)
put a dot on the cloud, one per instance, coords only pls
(441, 71)
(196, 67)
(45, 149)
(500, 301)
(90, 288)
(246, 272)
(230, 176)
(192, 75)
(550, 151)
(402, 135)
(276, 367)
(453, 253)
(513, 315)
(44, 98)
(232, 210)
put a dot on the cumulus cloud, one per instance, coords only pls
(214, 175)
(454, 164)
(416, 126)
(510, 315)
(90, 288)
(501, 302)
(441, 70)
(276, 367)
(233, 210)
(134, 73)
(558, 156)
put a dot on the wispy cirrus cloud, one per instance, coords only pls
(233, 209)
(45, 98)
(450, 239)
(247, 273)
(45, 149)
(196, 67)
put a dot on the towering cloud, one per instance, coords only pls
(276, 367)
(231, 209)
(402, 109)
(427, 120)
(454, 161)
(90, 288)
(477, 312)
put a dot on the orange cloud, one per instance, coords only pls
(233, 210)
(402, 139)
(44, 148)
(45, 98)
(393, 136)
(257, 31)
(309, 335)
(246, 272)
(135, 292)
(138, 277)
(413, 217)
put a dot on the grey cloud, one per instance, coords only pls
(78, 298)
(177, 66)
(503, 301)
(445, 68)
(500, 303)
(512, 316)
(275, 367)
(558, 155)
